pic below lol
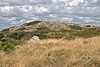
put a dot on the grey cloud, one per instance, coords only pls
(14, 2)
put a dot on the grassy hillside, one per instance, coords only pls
(81, 52)
(13, 36)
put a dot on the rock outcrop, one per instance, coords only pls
(52, 25)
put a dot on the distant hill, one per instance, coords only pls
(47, 30)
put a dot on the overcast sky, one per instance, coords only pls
(16, 12)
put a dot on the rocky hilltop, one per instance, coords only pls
(52, 25)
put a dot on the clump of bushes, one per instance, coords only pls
(45, 33)
(87, 33)
(20, 35)
(11, 40)
(75, 27)
(5, 30)
(43, 30)
(6, 46)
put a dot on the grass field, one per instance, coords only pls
(81, 52)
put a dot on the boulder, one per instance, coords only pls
(35, 38)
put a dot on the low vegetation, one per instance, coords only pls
(81, 52)
(6, 46)
(75, 27)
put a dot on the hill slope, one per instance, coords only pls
(54, 53)
(45, 30)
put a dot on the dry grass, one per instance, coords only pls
(54, 53)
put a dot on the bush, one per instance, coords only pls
(11, 40)
(4, 33)
(75, 27)
(87, 33)
(1, 35)
(21, 35)
(44, 30)
(6, 46)
(5, 30)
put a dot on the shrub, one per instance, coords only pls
(1, 36)
(6, 46)
(87, 33)
(44, 30)
(21, 35)
(75, 27)
(11, 40)
(4, 33)
(5, 30)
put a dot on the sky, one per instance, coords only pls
(17, 12)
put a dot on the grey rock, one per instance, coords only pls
(35, 38)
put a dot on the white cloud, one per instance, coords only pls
(52, 15)
(41, 9)
(21, 11)
(6, 8)
(14, 2)
(94, 0)
(76, 2)
(86, 19)
(68, 19)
